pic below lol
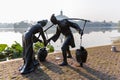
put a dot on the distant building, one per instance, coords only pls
(61, 16)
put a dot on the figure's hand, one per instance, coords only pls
(81, 32)
(45, 43)
(40, 40)
(35, 39)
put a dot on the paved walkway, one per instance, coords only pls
(102, 64)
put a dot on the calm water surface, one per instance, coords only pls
(92, 37)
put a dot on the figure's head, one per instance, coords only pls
(43, 22)
(53, 19)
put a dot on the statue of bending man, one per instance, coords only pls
(63, 26)
(28, 39)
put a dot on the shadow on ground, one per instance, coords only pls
(42, 72)
(92, 74)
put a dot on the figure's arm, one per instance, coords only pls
(44, 38)
(55, 36)
(35, 39)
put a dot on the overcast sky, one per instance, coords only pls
(34, 10)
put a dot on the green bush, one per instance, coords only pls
(39, 45)
(2, 47)
(8, 52)
(15, 51)
(50, 48)
(2, 55)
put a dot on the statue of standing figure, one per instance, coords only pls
(63, 26)
(28, 39)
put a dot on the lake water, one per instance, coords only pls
(92, 37)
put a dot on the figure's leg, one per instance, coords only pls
(28, 56)
(64, 56)
(64, 51)
(29, 65)
(69, 53)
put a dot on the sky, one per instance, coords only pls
(33, 10)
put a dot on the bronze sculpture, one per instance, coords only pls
(64, 28)
(28, 39)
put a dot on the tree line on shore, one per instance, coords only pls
(26, 24)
